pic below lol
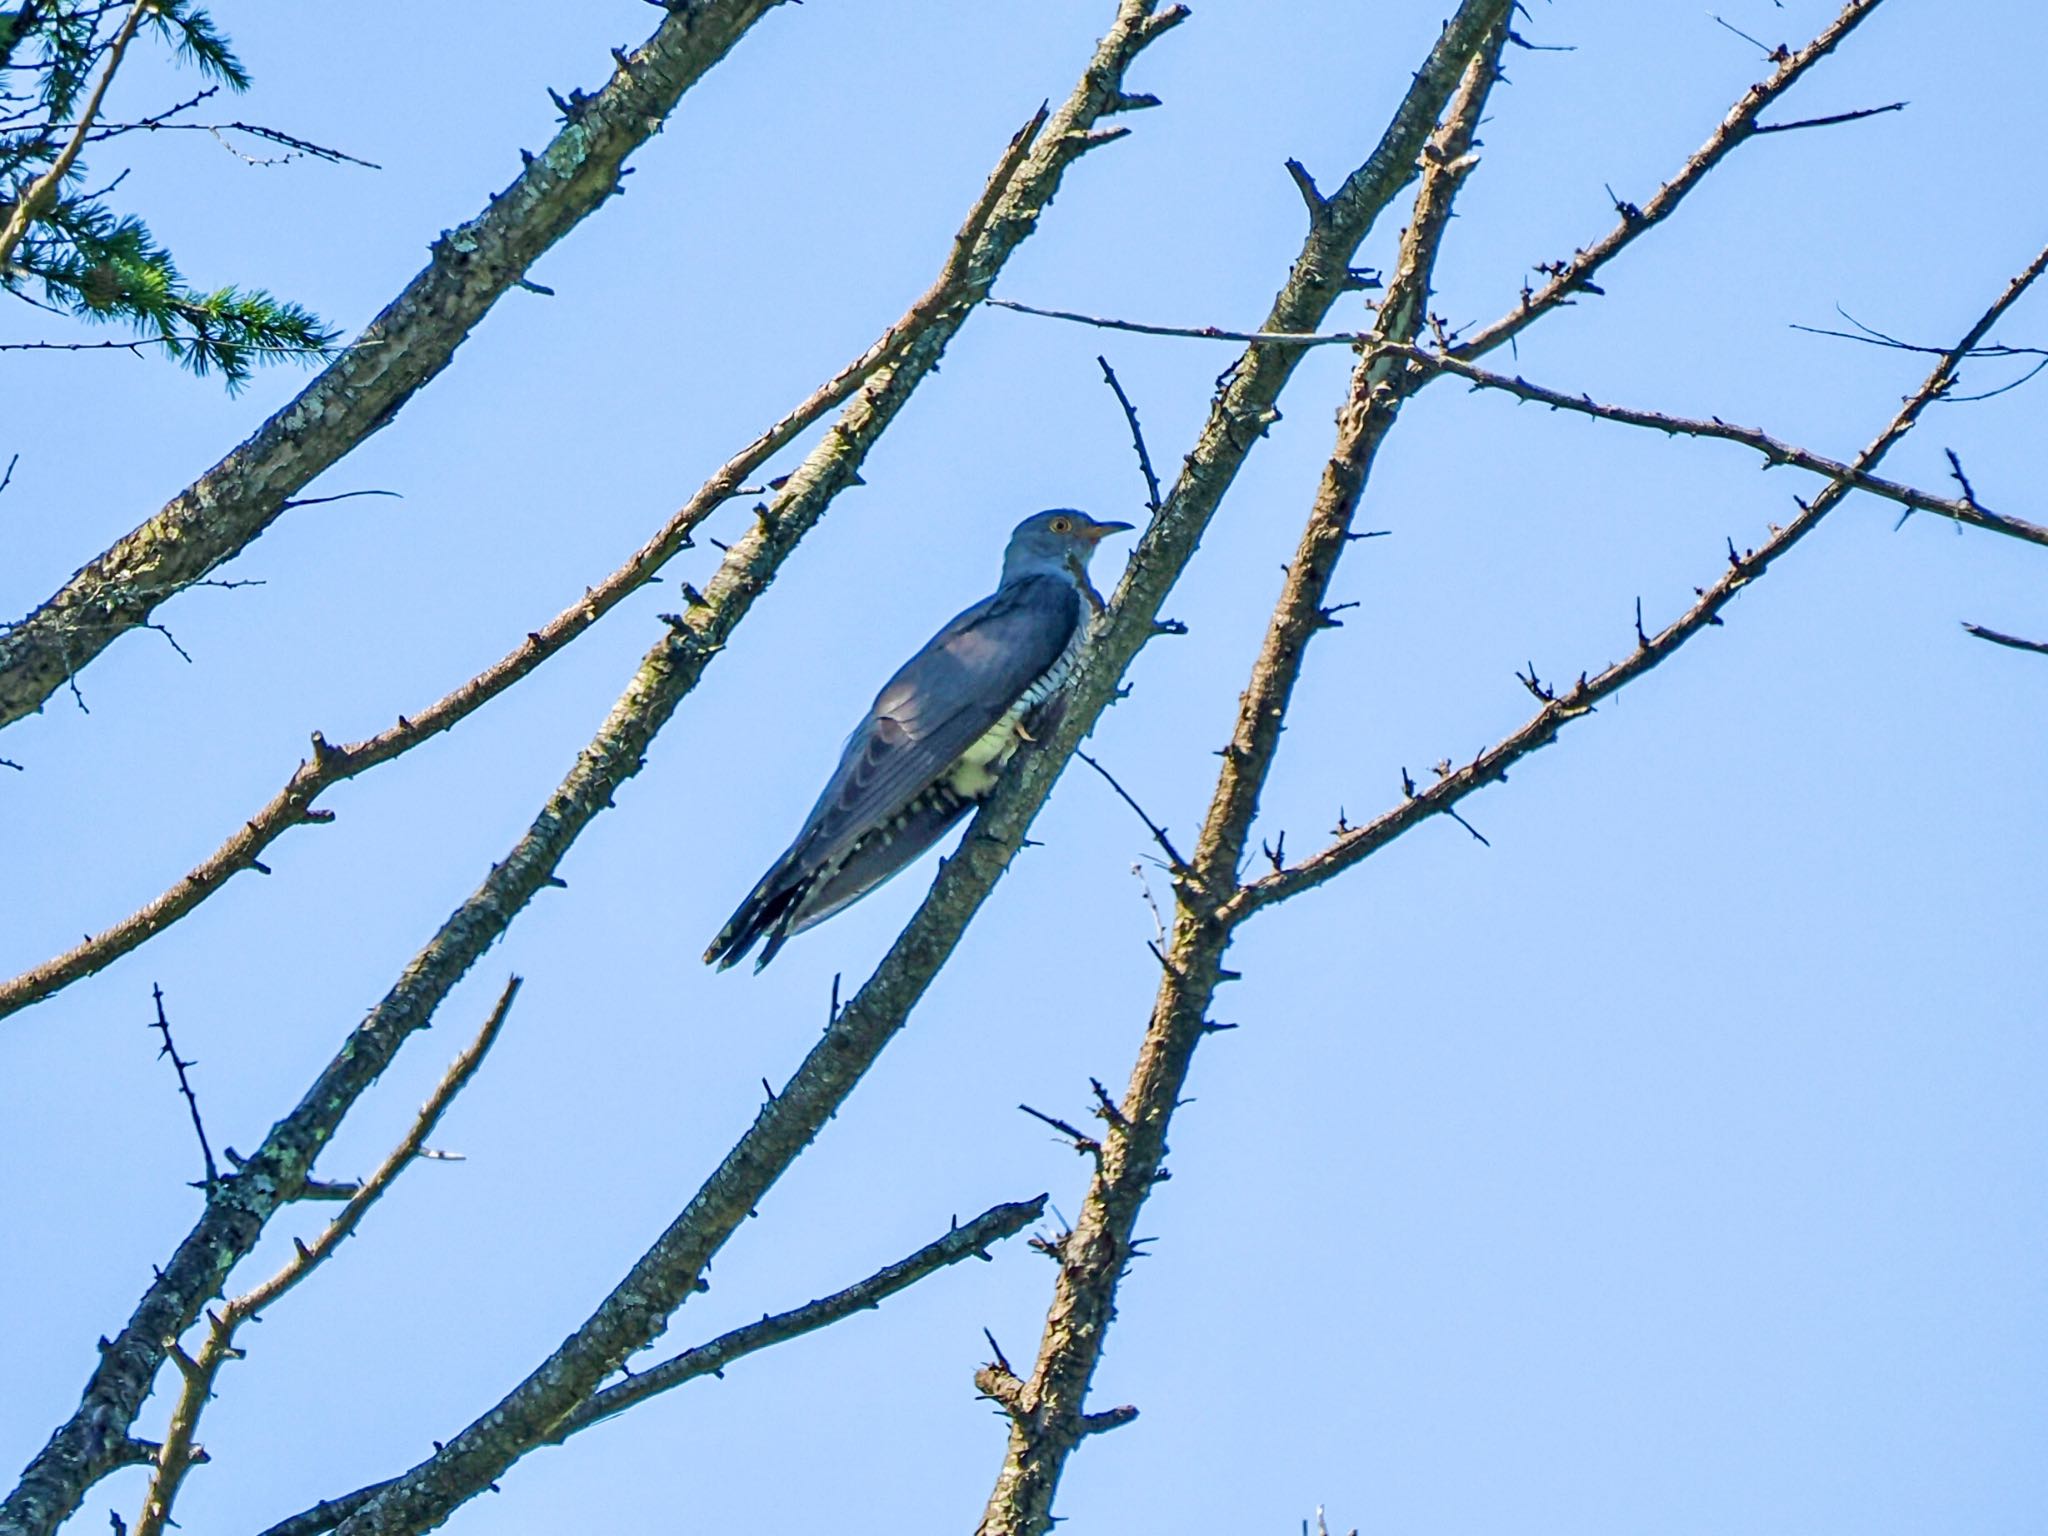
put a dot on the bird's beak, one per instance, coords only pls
(1095, 533)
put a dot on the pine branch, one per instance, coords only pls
(416, 336)
(33, 203)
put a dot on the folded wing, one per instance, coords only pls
(943, 700)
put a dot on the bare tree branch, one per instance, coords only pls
(1565, 279)
(80, 1451)
(417, 335)
(1964, 509)
(711, 1359)
(180, 1452)
(1559, 707)
(1047, 1411)
(1831, 120)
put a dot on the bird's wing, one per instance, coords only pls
(941, 701)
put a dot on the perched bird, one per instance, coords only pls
(936, 737)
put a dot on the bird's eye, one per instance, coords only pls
(1061, 525)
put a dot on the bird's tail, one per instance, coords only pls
(768, 911)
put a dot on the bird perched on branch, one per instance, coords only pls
(936, 737)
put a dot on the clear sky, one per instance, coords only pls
(1675, 1164)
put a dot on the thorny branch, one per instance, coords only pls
(86, 1447)
(711, 1359)
(1563, 705)
(1047, 1411)
(200, 1369)
(1963, 509)
(1563, 280)
(183, 1067)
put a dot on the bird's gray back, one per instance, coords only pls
(965, 681)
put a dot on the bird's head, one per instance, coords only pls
(1055, 542)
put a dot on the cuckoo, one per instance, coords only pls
(936, 737)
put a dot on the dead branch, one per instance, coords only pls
(1963, 509)
(1050, 1417)
(711, 1359)
(1490, 765)
(201, 1368)
(1564, 280)
(183, 1067)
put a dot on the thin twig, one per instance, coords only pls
(179, 1064)
(1204, 333)
(1174, 861)
(1965, 509)
(1137, 435)
(1831, 119)
(253, 348)
(1999, 637)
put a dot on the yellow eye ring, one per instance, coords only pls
(1061, 525)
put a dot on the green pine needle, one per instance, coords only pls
(83, 258)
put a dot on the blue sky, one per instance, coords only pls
(1676, 1163)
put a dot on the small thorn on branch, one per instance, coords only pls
(1642, 639)
(1452, 812)
(1106, 1108)
(1108, 1419)
(1311, 196)
(1002, 1361)
(1085, 1144)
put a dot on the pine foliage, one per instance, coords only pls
(82, 257)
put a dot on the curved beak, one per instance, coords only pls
(1095, 533)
